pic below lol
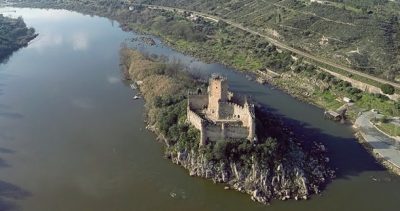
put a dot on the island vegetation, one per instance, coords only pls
(14, 34)
(276, 166)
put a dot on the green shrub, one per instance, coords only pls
(387, 89)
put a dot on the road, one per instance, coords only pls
(386, 147)
(277, 43)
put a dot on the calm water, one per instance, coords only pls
(72, 138)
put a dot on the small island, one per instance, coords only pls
(224, 137)
(14, 34)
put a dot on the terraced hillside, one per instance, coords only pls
(361, 34)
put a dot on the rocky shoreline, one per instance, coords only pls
(260, 182)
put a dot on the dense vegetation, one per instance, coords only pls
(387, 89)
(13, 35)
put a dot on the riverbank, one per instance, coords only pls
(14, 34)
(277, 167)
(384, 147)
(218, 42)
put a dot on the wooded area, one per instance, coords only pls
(13, 35)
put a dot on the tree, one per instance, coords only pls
(387, 89)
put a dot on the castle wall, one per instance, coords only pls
(233, 131)
(198, 102)
(194, 119)
(241, 113)
(252, 129)
(198, 123)
(217, 132)
(226, 110)
(213, 132)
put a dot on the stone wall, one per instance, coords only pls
(194, 119)
(226, 110)
(198, 123)
(233, 131)
(243, 114)
(213, 132)
(362, 86)
(198, 102)
(217, 132)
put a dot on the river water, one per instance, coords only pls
(72, 137)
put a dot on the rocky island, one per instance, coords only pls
(14, 34)
(217, 135)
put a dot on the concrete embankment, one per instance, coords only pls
(383, 147)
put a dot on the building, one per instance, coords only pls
(220, 114)
(347, 100)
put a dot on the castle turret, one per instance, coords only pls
(251, 121)
(217, 92)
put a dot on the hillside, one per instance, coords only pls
(361, 34)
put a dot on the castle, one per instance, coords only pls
(219, 114)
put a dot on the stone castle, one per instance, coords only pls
(220, 114)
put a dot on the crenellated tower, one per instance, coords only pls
(217, 93)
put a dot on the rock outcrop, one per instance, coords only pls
(291, 179)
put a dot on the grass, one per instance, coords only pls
(369, 101)
(328, 100)
(389, 128)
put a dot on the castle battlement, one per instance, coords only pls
(217, 116)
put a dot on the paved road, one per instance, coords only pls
(382, 144)
(277, 43)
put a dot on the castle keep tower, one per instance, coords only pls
(218, 92)
(220, 114)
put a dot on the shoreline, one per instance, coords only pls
(389, 166)
(11, 41)
(270, 81)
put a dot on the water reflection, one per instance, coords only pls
(46, 40)
(80, 41)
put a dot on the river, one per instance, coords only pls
(72, 137)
